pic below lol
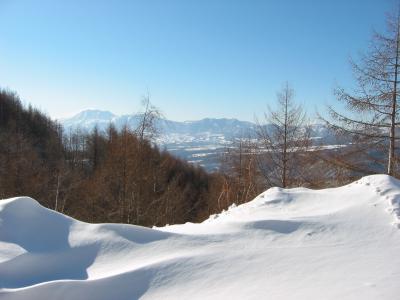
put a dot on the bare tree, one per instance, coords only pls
(374, 118)
(239, 164)
(283, 140)
(147, 127)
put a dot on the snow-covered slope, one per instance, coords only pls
(341, 243)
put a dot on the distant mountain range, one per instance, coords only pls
(199, 142)
(171, 131)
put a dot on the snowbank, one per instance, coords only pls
(341, 243)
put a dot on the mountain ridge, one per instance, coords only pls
(87, 119)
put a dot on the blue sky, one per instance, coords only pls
(204, 58)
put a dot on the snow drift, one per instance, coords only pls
(341, 243)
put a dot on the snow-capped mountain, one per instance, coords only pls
(88, 119)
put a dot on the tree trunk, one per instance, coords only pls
(390, 170)
(284, 159)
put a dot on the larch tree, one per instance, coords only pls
(147, 126)
(283, 140)
(372, 109)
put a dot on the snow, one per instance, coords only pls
(340, 243)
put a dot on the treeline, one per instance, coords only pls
(112, 176)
